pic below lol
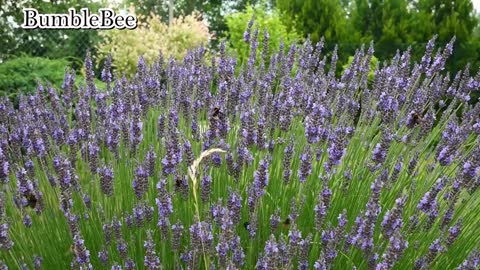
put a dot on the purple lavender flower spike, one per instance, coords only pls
(165, 207)
(129, 264)
(234, 205)
(205, 187)
(93, 151)
(271, 257)
(428, 204)
(82, 254)
(396, 247)
(177, 232)
(27, 221)
(261, 175)
(136, 126)
(5, 242)
(201, 237)
(379, 154)
(305, 245)
(106, 74)
(238, 256)
(122, 248)
(392, 221)
(106, 180)
(150, 161)
(140, 184)
(246, 34)
(139, 215)
(472, 262)
(453, 233)
(103, 256)
(320, 264)
(37, 262)
(275, 220)
(287, 158)
(151, 261)
(306, 164)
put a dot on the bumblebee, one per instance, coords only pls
(178, 182)
(32, 200)
(416, 119)
(217, 113)
(286, 223)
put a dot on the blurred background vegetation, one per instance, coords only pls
(174, 26)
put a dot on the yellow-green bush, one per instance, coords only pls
(271, 20)
(152, 36)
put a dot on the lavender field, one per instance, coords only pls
(275, 163)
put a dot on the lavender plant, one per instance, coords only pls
(274, 163)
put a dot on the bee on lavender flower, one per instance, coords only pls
(286, 223)
(178, 182)
(414, 119)
(32, 200)
(217, 113)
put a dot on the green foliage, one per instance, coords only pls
(317, 18)
(391, 24)
(448, 19)
(52, 43)
(271, 20)
(322, 18)
(21, 75)
(212, 10)
(387, 22)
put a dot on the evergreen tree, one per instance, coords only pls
(322, 18)
(318, 18)
(451, 18)
(387, 22)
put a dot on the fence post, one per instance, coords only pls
(170, 12)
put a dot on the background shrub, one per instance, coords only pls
(21, 75)
(152, 36)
